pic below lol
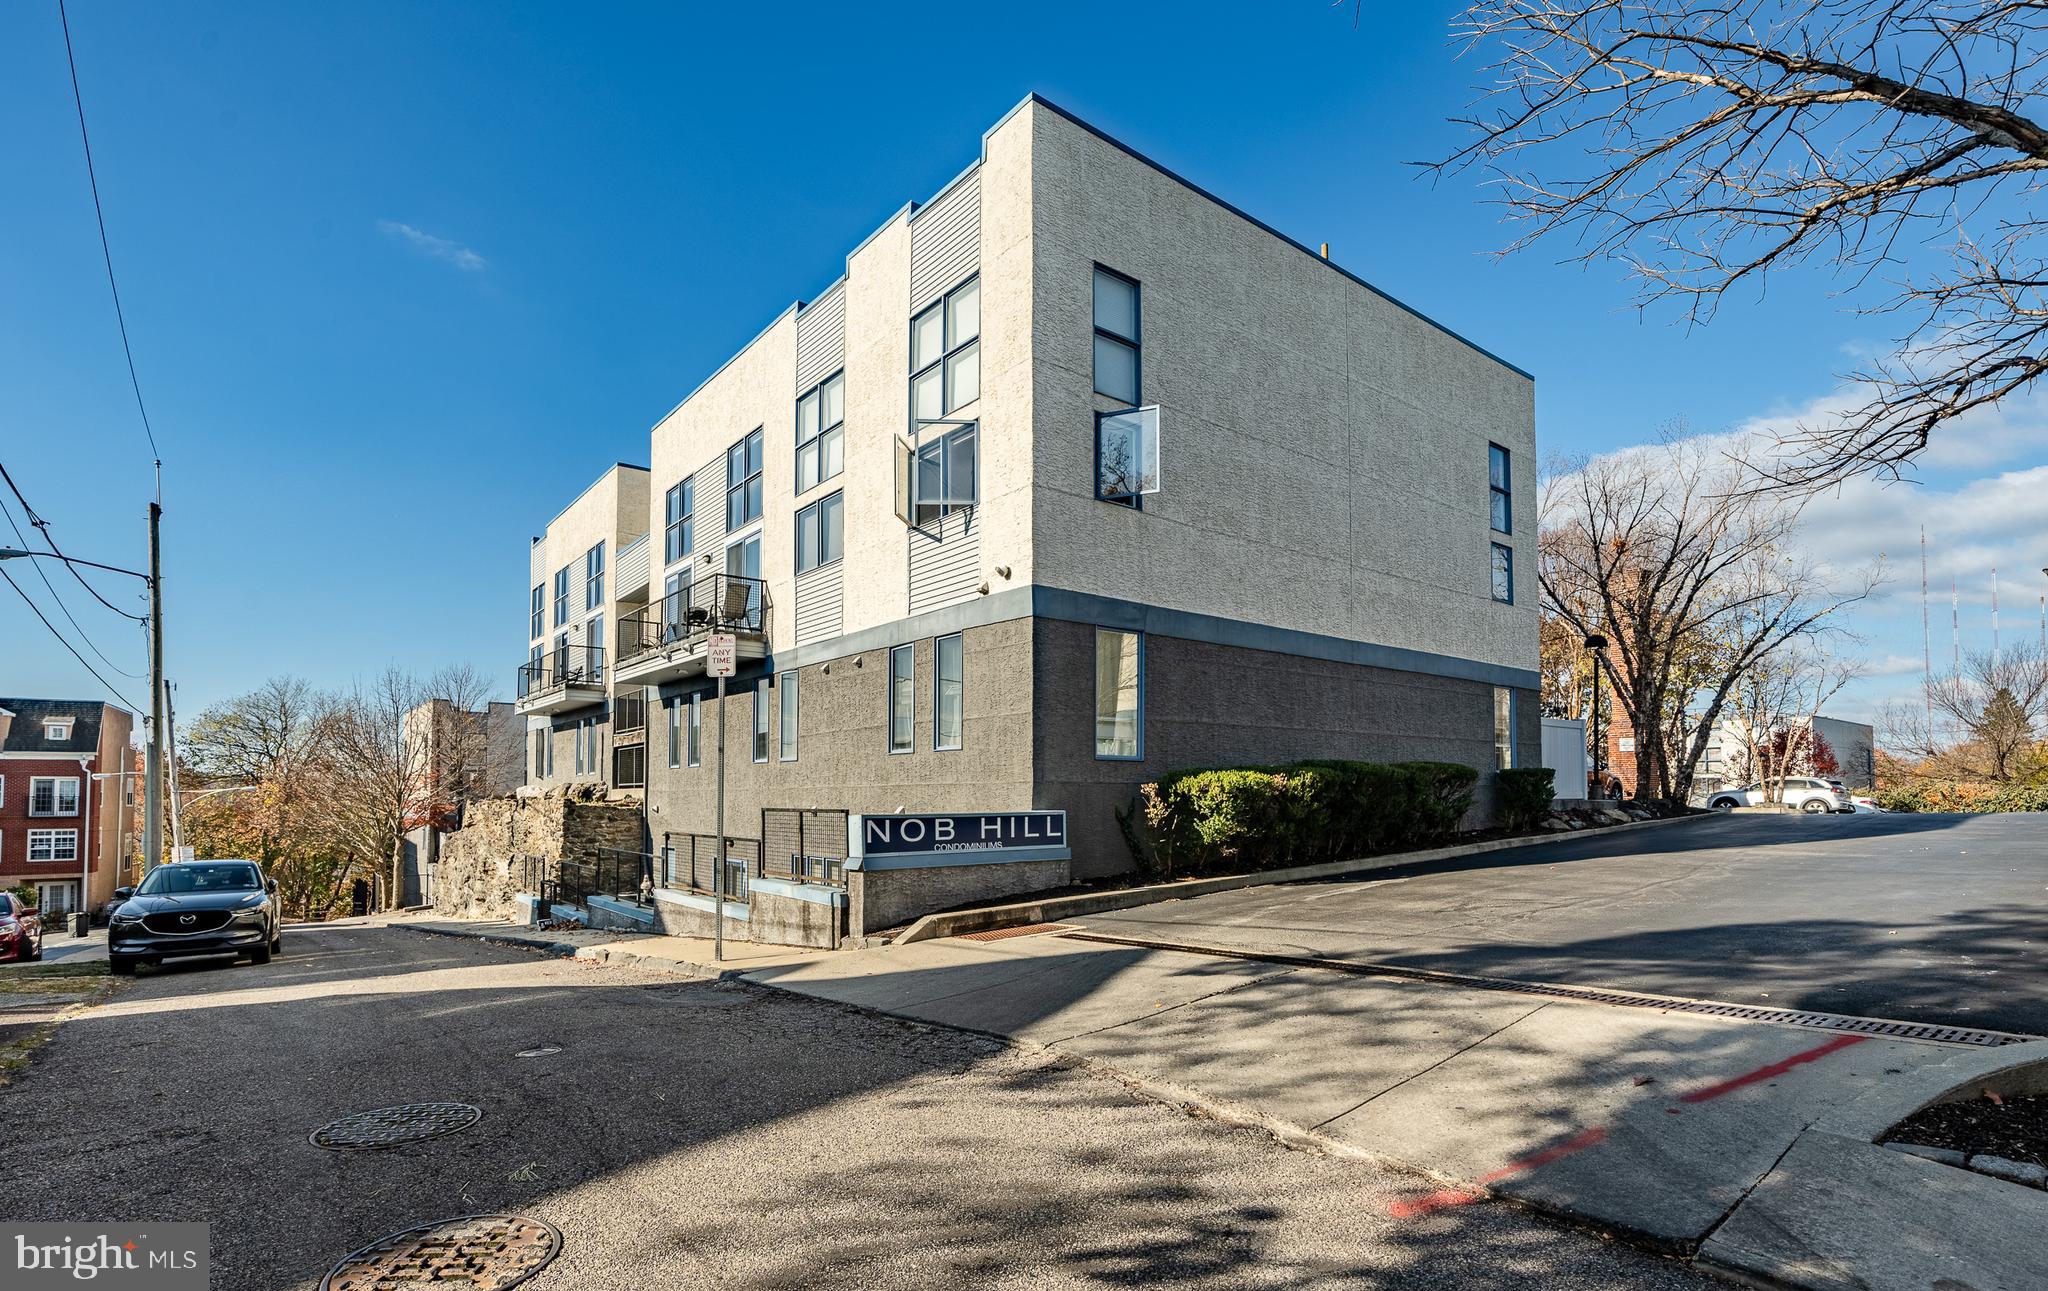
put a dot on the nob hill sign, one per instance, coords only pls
(921, 839)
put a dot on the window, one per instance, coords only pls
(947, 471)
(1127, 455)
(695, 744)
(537, 614)
(1498, 489)
(53, 795)
(629, 710)
(1503, 574)
(675, 732)
(581, 746)
(561, 596)
(821, 533)
(743, 482)
(945, 354)
(761, 720)
(541, 770)
(902, 697)
(821, 433)
(629, 766)
(53, 844)
(58, 730)
(593, 578)
(1504, 726)
(682, 522)
(1119, 695)
(1116, 335)
(785, 691)
(593, 637)
(946, 692)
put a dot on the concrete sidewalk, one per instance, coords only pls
(1695, 1135)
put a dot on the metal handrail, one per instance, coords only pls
(714, 603)
(562, 666)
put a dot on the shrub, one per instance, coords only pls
(1523, 795)
(1443, 795)
(1962, 795)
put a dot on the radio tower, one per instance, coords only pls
(1994, 616)
(1926, 640)
(1955, 629)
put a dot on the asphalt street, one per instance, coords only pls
(1924, 918)
(694, 1134)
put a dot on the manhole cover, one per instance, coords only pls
(384, 1127)
(480, 1252)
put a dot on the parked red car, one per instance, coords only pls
(21, 929)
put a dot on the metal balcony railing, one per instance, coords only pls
(577, 665)
(714, 603)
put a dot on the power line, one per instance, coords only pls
(83, 635)
(106, 250)
(37, 611)
(42, 527)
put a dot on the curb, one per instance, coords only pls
(583, 954)
(953, 923)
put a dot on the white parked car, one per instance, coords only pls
(1809, 795)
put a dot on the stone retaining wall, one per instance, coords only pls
(480, 868)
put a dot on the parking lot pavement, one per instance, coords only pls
(693, 1133)
(1924, 918)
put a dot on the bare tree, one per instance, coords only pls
(381, 772)
(1986, 718)
(1704, 146)
(1771, 710)
(1692, 583)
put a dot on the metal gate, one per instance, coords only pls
(807, 844)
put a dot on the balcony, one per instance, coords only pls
(562, 679)
(665, 641)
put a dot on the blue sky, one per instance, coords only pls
(402, 278)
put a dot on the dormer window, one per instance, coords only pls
(57, 729)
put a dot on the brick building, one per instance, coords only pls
(64, 830)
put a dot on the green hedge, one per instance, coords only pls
(1260, 817)
(1524, 796)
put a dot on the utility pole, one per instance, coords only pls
(720, 660)
(153, 765)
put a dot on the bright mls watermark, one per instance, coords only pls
(112, 1257)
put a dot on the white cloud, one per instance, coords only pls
(1978, 440)
(439, 248)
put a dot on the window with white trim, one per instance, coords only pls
(948, 688)
(761, 696)
(1127, 455)
(743, 482)
(786, 702)
(57, 729)
(675, 732)
(53, 844)
(1119, 695)
(562, 596)
(821, 432)
(902, 697)
(1116, 335)
(945, 354)
(948, 474)
(695, 743)
(537, 613)
(53, 795)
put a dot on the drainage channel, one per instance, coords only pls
(1593, 995)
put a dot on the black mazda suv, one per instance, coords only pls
(195, 908)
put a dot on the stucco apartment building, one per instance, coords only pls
(64, 829)
(1078, 475)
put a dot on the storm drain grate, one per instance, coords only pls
(1594, 995)
(480, 1252)
(384, 1127)
(1021, 930)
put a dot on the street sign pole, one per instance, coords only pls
(719, 660)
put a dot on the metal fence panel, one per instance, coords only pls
(804, 843)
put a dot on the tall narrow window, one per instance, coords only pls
(821, 532)
(1501, 500)
(540, 754)
(821, 433)
(537, 613)
(902, 697)
(1119, 695)
(675, 732)
(743, 482)
(1504, 726)
(695, 743)
(1116, 335)
(562, 596)
(593, 578)
(680, 537)
(761, 720)
(945, 354)
(947, 682)
(1503, 574)
(593, 637)
(785, 694)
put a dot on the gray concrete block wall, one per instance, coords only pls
(1210, 705)
(886, 898)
